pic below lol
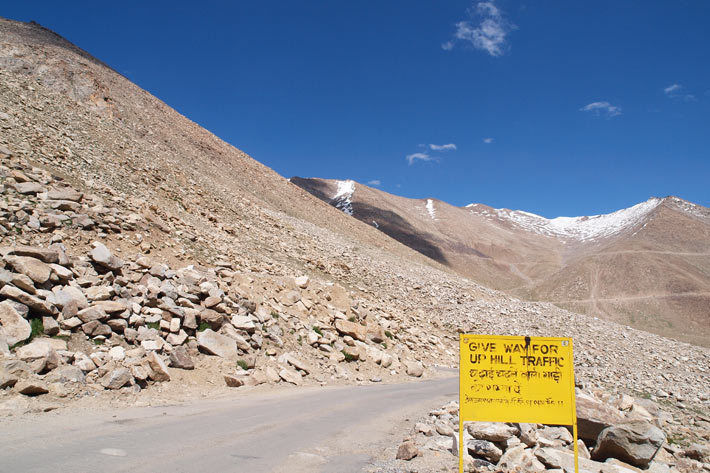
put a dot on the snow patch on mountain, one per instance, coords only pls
(343, 196)
(576, 228)
(689, 207)
(430, 209)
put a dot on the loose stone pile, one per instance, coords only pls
(621, 435)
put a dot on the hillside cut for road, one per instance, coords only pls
(647, 266)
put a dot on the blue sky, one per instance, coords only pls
(557, 108)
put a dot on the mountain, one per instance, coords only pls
(647, 266)
(145, 246)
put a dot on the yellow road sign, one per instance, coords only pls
(516, 379)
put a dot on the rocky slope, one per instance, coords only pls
(646, 266)
(136, 244)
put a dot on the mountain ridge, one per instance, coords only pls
(596, 259)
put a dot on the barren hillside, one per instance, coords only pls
(647, 266)
(139, 239)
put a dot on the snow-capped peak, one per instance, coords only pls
(577, 228)
(343, 196)
(430, 209)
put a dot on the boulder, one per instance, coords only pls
(40, 355)
(297, 363)
(33, 268)
(594, 416)
(234, 381)
(414, 368)
(103, 257)
(31, 388)
(34, 303)
(50, 326)
(64, 193)
(407, 451)
(519, 458)
(15, 328)
(213, 343)
(180, 358)
(291, 376)
(633, 442)
(160, 369)
(484, 449)
(243, 322)
(355, 330)
(66, 374)
(17, 280)
(29, 188)
(47, 255)
(116, 378)
(491, 431)
(302, 282)
(68, 294)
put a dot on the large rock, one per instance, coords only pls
(116, 378)
(35, 304)
(45, 254)
(407, 450)
(39, 354)
(213, 343)
(491, 431)
(31, 388)
(564, 460)
(519, 458)
(160, 369)
(243, 322)
(291, 376)
(594, 416)
(64, 193)
(484, 449)
(68, 294)
(15, 328)
(634, 442)
(180, 358)
(17, 280)
(33, 268)
(234, 381)
(103, 257)
(355, 330)
(414, 368)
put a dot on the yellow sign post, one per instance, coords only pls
(516, 379)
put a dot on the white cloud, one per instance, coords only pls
(487, 30)
(599, 108)
(374, 182)
(411, 158)
(675, 91)
(488, 140)
(446, 147)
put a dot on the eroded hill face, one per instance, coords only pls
(647, 266)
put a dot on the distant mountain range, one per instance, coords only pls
(647, 266)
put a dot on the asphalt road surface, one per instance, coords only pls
(332, 429)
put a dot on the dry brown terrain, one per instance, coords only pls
(648, 266)
(167, 236)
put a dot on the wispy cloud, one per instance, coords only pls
(411, 158)
(488, 140)
(677, 92)
(446, 147)
(486, 30)
(374, 182)
(602, 108)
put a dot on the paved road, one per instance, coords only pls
(309, 429)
